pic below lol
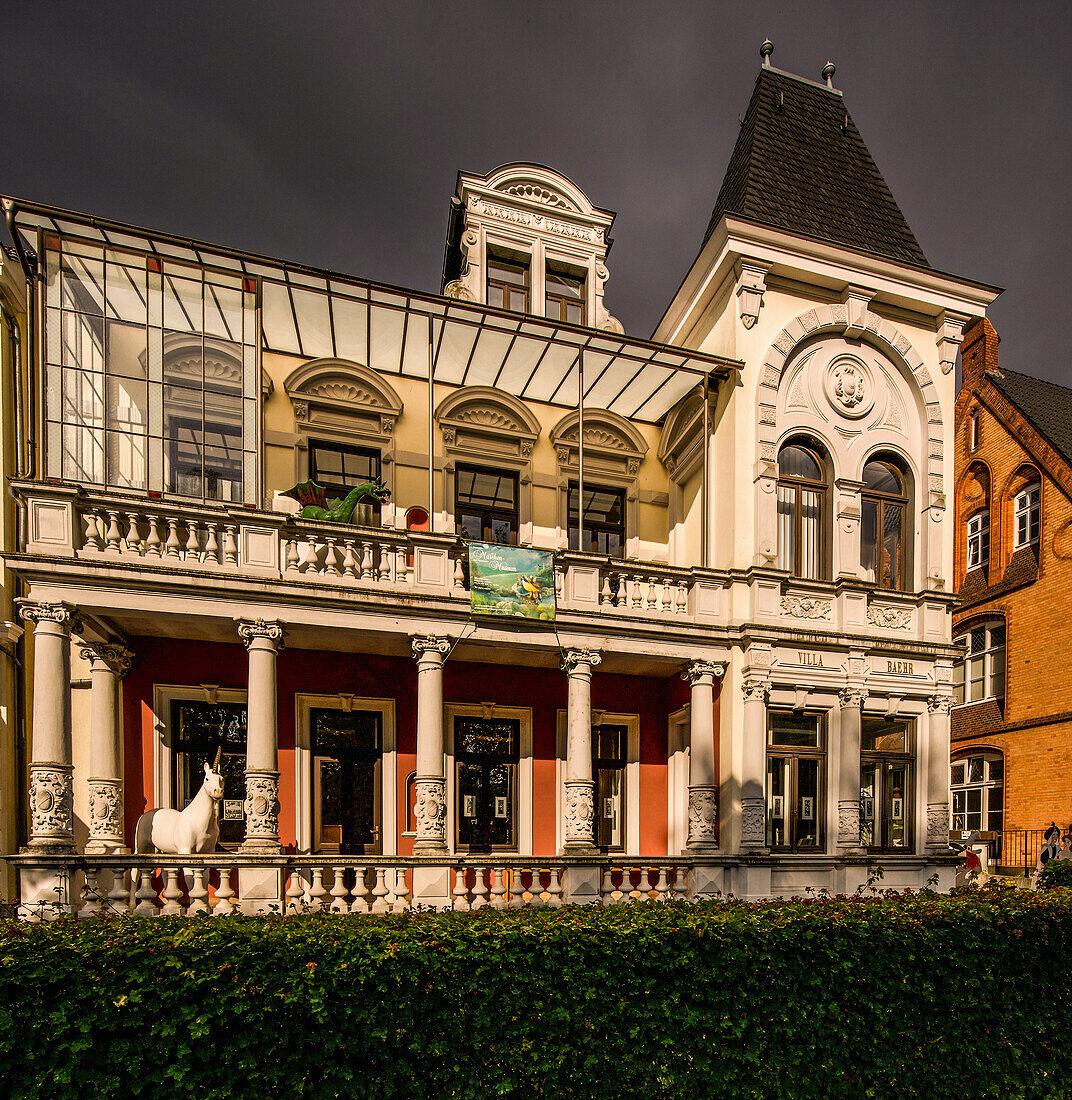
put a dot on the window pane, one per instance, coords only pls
(878, 734)
(892, 527)
(787, 728)
(975, 809)
(869, 538)
(996, 769)
(956, 773)
(777, 802)
(895, 825)
(881, 477)
(975, 769)
(869, 779)
(810, 533)
(786, 549)
(797, 462)
(958, 682)
(807, 808)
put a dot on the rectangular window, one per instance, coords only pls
(795, 774)
(151, 374)
(338, 468)
(604, 520)
(486, 505)
(978, 540)
(486, 753)
(508, 283)
(886, 757)
(347, 747)
(564, 296)
(973, 433)
(1028, 516)
(981, 673)
(800, 514)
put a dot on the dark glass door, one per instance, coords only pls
(199, 730)
(486, 755)
(347, 747)
(608, 771)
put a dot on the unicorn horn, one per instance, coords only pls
(216, 762)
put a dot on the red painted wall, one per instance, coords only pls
(163, 661)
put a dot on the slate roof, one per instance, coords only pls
(1047, 405)
(801, 165)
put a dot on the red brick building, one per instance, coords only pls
(1011, 737)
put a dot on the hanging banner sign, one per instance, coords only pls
(512, 581)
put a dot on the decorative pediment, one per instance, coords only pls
(221, 361)
(537, 184)
(489, 409)
(604, 431)
(681, 441)
(343, 398)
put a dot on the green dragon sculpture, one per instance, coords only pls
(315, 504)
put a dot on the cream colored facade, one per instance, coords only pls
(161, 543)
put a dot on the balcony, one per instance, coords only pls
(67, 524)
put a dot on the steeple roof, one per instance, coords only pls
(800, 165)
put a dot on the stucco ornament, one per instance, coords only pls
(194, 829)
(849, 823)
(703, 817)
(891, 618)
(806, 607)
(105, 813)
(849, 387)
(938, 825)
(430, 809)
(262, 807)
(753, 823)
(51, 804)
(580, 812)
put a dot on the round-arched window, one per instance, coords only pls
(802, 489)
(883, 535)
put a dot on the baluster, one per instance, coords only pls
(317, 892)
(636, 592)
(309, 559)
(290, 555)
(391, 553)
(362, 902)
(652, 603)
(661, 885)
(198, 891)
(675, 876)
(480, 890)
(383, 570)
(92, 537)
(606, 596)
(396, 897)
(366, 561)
(193, 541)
(295, 892)
(606, 889)
(554, 887)
(113, 535)
(536, 887)
(224, 895)
(459, 896)
(560, 582)
(118, 892)
(625, 891)
(172, 892)
(230, 545)
(459, 576)
(403, 573)
(339, 891)
(379, 891)
(349, 562)
(133, 537)
(682, 598)
(331, 562)
(142, 885)
(171, 547)
(516, 895)
(212, 547)
(91, 900)
(153, 544)
(498, 887)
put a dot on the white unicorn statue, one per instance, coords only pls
(181, 832)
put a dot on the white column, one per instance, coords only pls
(430, 788)
(703, 776)
(51, 799)
(107, 666)
(754, 766)
(263, 639)
(580, 790)
(939, 707)
(852, 700)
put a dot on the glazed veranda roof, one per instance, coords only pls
(317, 314)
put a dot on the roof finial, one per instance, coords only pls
(765, 51)
(828, 73)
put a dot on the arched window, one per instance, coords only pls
(1027, 515)
(981, 673)
(883, 536)
(977, 784)
(802, 489)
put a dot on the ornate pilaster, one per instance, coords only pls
(703, 778)
(51, 799)
(430, 793)
(261, 808)
(754, 765)
(851, 699)
(579, 790)
(939, 707)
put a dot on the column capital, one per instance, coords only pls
(250, 630)
(115, 657)
(752, 688)
(695, 671)
(943, 703)
(63, 614)
(571, 658)
(424, 644)
(852, 697)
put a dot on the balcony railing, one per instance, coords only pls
(113, 528)
(160, 886)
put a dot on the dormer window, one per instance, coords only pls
(564, 296)
(508, 283)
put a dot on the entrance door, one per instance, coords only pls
(199, 730)
(347, 748)
(486, 755)
(608, 771)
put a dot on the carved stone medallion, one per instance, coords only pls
(51, 805)
(105, 814)
(430, 809)
(703, 817)
(580, 812)
(849, 387)
(261, 808)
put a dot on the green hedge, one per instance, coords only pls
(888, 996)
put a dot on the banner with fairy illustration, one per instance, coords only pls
(511, 580)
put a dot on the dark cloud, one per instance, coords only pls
(331, 133)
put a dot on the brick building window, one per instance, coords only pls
(1027, 516)
(981, 673)
(979, 540)
(977, 786)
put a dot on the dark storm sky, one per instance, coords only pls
(331, 133)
